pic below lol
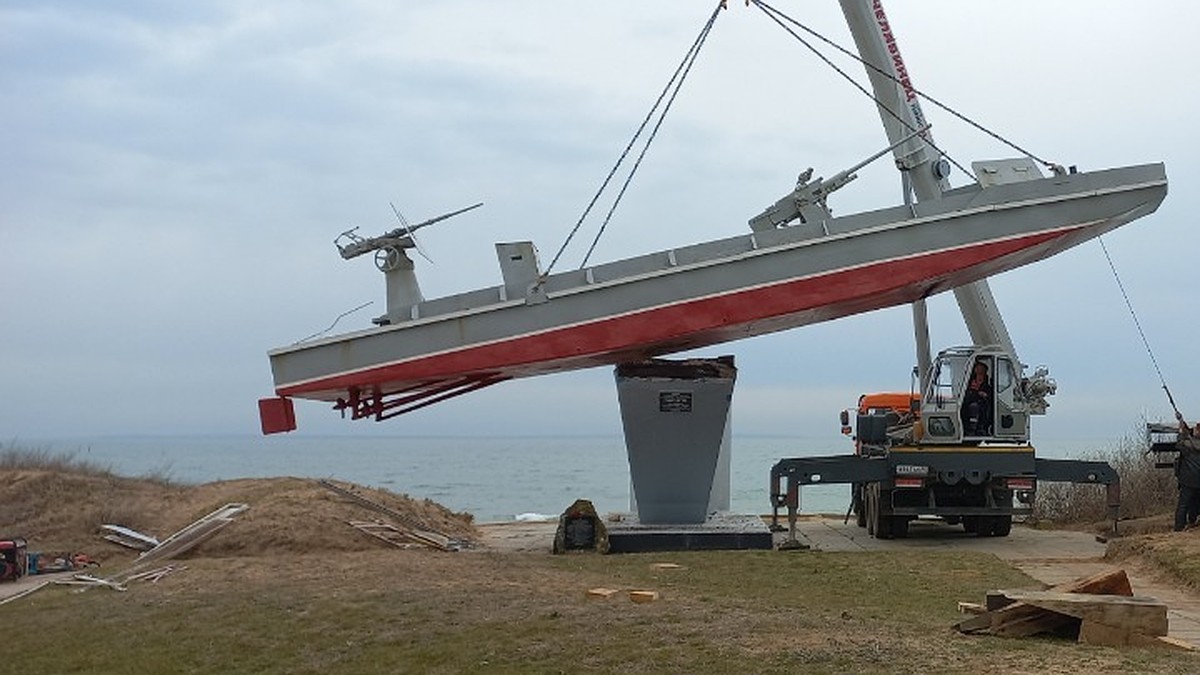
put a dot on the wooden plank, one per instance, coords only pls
(602, 593)
(1007, 615)
(975, 624)
(177, 545)
(1173, 643)
(192, 535)
(1137, 614)
(397, 536)
(1096, 633)
(424, 533)
(129, 538)
(996, 600)
(971, 608)
(1033, 623)
(385, 533)
(643, 596)
(97, 581)
(434, 539)
(1115, 582)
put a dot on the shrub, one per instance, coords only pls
(15, 458)
(1145, 490)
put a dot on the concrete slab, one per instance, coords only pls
(11, 588)
(724, 531)
(831, 534)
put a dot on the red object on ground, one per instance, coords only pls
(12, 559)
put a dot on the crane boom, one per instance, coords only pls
(900, 110)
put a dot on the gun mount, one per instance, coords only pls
(391, 258)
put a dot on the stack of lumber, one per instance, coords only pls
(401, 537)
(1098, 610)
(404, 527)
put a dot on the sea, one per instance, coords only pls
(494, 479)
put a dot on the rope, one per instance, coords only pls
(676, 82)
(690, 59)
(335, 322)
(772, 12)
(1138, 324)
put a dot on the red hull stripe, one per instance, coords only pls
(674, 327)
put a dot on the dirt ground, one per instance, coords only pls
(61, 512)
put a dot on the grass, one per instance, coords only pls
(329, 609)
(14, 457)
(421, 611)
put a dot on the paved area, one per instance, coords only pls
(11, 588)
(1051, 557)
(830, 534)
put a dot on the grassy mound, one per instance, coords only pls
(1176, 554)
(58, 504)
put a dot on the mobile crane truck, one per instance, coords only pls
(957, 446)
(943, 452)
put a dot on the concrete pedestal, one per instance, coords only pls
(677, 436)
(676, 420)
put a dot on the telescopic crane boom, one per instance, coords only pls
(920, 161)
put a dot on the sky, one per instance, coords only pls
(172, 177)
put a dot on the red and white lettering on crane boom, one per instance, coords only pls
(899, 71)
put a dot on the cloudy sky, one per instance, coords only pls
(174, 174)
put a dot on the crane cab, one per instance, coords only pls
(977, 395)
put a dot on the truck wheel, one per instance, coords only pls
(971, 524)
(883, 524)
(872, 511)
(986, 523)
(1001, 526)
(883, 528)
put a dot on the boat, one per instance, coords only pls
(798, 265)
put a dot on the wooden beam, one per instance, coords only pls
(1095, 633)
(1031, 622)
(1115, 582)
(1142, 615)
(643, 596)
(1007, 615)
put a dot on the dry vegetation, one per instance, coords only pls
(288, 587)
(58, 505)
(423, 611)
(1148, 494)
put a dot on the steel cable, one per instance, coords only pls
(1137, 324)
(777, 15)
(675, 82)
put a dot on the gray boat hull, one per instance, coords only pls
(715, 292)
